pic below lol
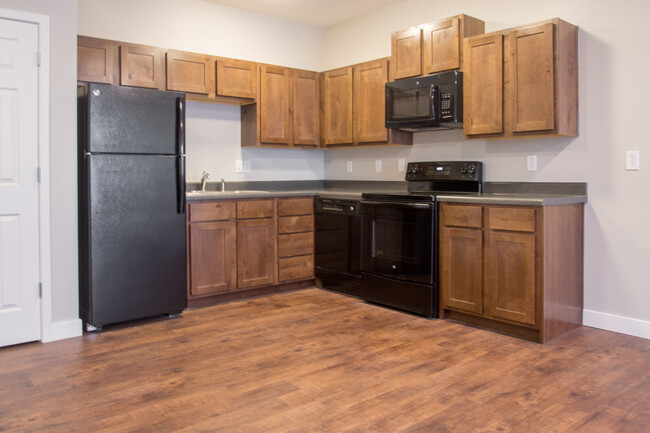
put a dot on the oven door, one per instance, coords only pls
(397, 240)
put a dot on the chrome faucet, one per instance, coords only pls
(223, 184)
(204, 179)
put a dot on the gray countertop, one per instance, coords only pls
(526, 199)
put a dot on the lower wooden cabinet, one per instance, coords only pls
(238, 247)
(514, 269)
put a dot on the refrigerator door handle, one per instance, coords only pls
(180, 184)
(180, 126)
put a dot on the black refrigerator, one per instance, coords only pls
(132, 262)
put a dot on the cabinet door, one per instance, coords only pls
(274, 101)
(510, 276)
(256, 260)
(141, 66)
(336, 102)
(213, 262)
(461, 269)
(97, 60)
(306, 123)
(188, 72)
(369, 101)
(483, 85)
(530, 64)
(441, 46)
(236, 78)
(406, 59)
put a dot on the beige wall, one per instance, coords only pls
(63, 147)
(614, 114)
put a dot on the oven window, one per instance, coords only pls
(397, 242)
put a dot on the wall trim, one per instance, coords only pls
(62, 330)
(612, 322)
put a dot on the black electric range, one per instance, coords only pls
(399, 237)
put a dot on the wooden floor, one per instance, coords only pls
(317, 361)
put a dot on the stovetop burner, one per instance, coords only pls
(428, 179)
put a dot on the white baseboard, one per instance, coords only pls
(62, 330)
(611, 322)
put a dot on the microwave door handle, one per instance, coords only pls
(435, 97)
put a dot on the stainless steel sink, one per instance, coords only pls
(198, 193)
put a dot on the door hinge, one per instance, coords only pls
(38, 59)
(40, 290)
(38, 174)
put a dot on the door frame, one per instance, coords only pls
(44, 216)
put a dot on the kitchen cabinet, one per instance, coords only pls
(286, 113)
(97, 60)
(212, 258)
(431, 47)
(255, 243)
(522, 82)
(353, 107)
(236, 78)
(188, 72)
(515, 269)
(295, 238)
(142, 66)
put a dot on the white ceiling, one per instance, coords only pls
(322, 13)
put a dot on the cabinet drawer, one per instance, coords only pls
(461, 216)
(296, 206)
(513, 219)
(212, 211)
(296, 244)
(292, 268)
(296, 224)
(255, 209)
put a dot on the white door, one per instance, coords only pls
(20, 309)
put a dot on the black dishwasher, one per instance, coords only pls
(338, 244)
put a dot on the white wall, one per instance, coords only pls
(63, 148)
(213, 131)
(614, 111)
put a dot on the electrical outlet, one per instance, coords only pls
(348, 166)
(239, 166)
(378, 165)
(401, 164)
(632, 160)
(531, 162)
(247, 166)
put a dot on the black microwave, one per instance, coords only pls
(423, 103)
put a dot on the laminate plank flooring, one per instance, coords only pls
(318, 361)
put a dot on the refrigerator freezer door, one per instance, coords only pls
(135, 239)
(134, 120)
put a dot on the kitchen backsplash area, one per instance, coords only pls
(213, 139)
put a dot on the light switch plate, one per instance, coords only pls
(632, 160)
(348, 166)
(531, 162)
(239, 166)
(401, 164)
(378, 165)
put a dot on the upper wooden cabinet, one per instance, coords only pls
(187, 72)
(97, 60)
(286, 113)
(522, 82)
(406, 53)
(353, 107)
(369, 101)
(305, 98)
(142, 66)
(236, 78)
(431, 47)
(336, 106)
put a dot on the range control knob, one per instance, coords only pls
(463, 169)
(471, 169)
(414, 169)
(351, 208)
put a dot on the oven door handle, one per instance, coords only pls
(399, 204)
(373, 252)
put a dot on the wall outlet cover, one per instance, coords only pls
(378, 165)
(531, 162)
(632, 160)
(247, 166)
(239, 166)
(401, 164)
(348, 166)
